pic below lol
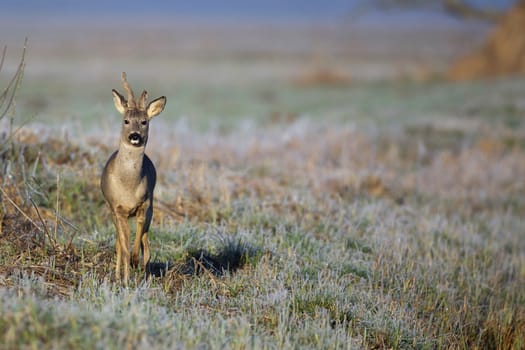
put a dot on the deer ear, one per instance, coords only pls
(156, 106)
(120, 102)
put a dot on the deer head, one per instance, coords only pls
(136, 115)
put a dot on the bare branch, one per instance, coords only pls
(8, 95)
(462, 9)
(458, 8)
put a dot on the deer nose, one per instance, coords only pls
(135, 139)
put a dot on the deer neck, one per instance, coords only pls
(129, 161)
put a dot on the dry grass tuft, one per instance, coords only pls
(322, 76)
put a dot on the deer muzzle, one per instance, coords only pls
(136, 139)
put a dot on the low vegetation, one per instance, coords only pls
(295, 234)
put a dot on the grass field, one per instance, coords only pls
(338, 214)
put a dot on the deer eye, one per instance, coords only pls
(126, 121)
(144, 122)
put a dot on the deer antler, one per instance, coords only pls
(142, 100)
(131, 97)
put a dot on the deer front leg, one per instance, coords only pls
(144, 214)
(145, 241)
(122, 246)
(145, 248)
(141, 218)
(119, 257)
(117, 245)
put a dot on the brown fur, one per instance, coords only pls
(129, 177)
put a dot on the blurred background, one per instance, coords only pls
(225, 63)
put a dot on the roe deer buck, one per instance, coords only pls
(129, 177)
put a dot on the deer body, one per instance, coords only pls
(129, 178)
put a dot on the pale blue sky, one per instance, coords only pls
(204, 9)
